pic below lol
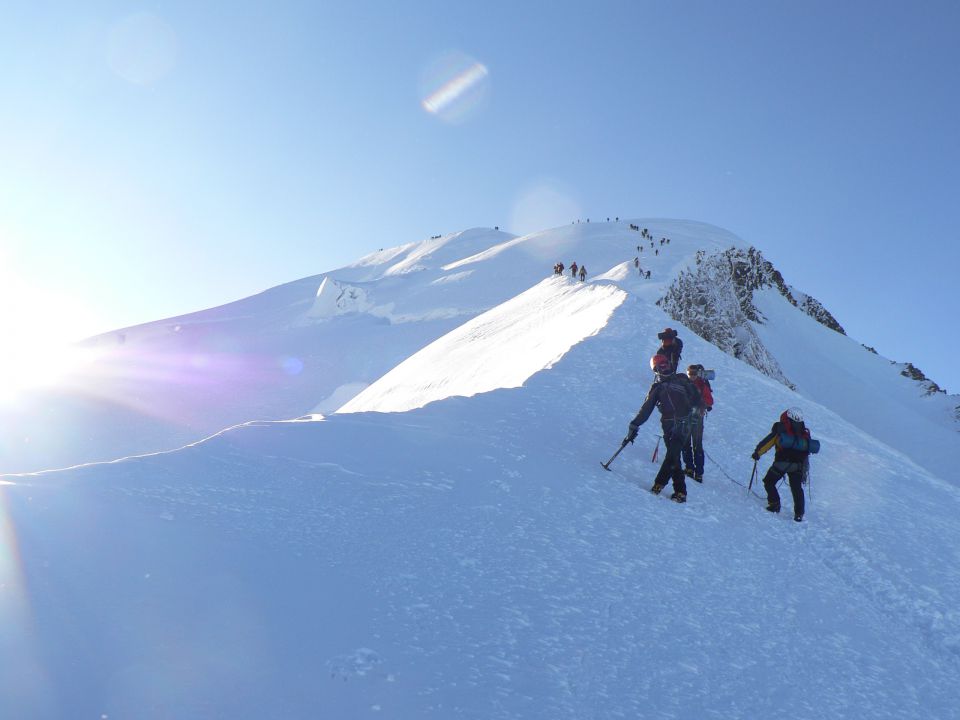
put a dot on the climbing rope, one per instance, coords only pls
(730, 477)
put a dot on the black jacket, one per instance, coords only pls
(676, 396)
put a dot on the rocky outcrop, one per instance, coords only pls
(813, 308)
(914, 373)
(715, 300)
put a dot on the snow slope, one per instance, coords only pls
(270, 356)
(292, 350)
(863, 387)
(448, 545)
(471, 559)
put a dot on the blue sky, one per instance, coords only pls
(158, 159)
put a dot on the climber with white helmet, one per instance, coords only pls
(794, 445)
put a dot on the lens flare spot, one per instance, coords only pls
(455, 87)
(292, 365)
(543, 204)
(142, 49)
(16, 616)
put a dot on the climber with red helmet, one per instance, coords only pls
(675, 395)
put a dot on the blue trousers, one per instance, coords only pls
(693, 448)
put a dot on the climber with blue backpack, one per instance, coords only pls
(794, 445)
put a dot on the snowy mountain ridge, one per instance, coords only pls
(409, 519)
(277, 354)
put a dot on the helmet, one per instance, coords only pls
(661, 365)
(694, 370)
(794, 414)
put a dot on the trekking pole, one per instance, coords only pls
(752, 476)
(606, 465)
(656, 450)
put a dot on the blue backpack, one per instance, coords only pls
(786, 441)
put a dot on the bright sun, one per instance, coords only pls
(27, 364)
(37, 327)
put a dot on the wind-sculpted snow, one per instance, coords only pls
(472, 559)
(499, 349)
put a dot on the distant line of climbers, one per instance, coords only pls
(574, 270)
(558, 268)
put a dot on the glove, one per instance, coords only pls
(755, 456)
(710, 408)
(631, 435)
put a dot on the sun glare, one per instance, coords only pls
(37, 325)
(26, 365)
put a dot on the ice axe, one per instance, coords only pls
(606, 465)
